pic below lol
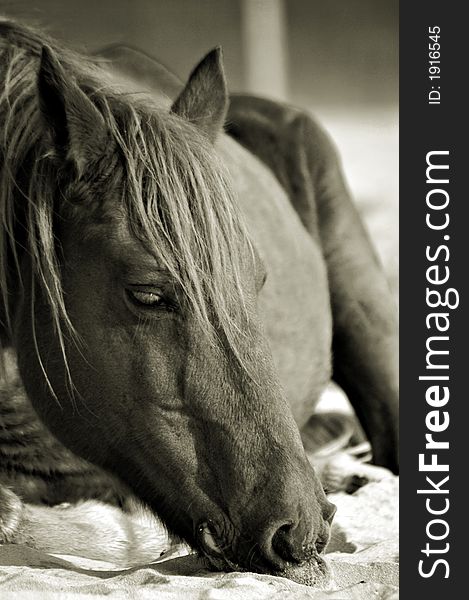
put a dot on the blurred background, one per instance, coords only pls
(336, 58)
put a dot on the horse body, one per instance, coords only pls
(172, 327)
(294, 303)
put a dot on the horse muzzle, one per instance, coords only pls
(277, 550)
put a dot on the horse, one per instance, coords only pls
(180, 279)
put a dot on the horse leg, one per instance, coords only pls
(365, 349)
(365, 343)
(89, 529)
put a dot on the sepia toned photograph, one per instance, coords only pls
(199, 391)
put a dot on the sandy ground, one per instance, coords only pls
(362, 557)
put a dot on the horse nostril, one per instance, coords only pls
(281, 542)
(288, 540)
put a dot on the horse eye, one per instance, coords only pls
(145, 298)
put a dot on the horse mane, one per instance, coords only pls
(175, 191)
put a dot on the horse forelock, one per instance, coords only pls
(173, 190)
(178, 200)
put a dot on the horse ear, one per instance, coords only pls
(204, 99)
(77, 127)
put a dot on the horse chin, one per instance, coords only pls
(314, 572)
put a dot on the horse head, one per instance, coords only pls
(137, 329)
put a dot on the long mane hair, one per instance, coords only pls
(173, 189)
